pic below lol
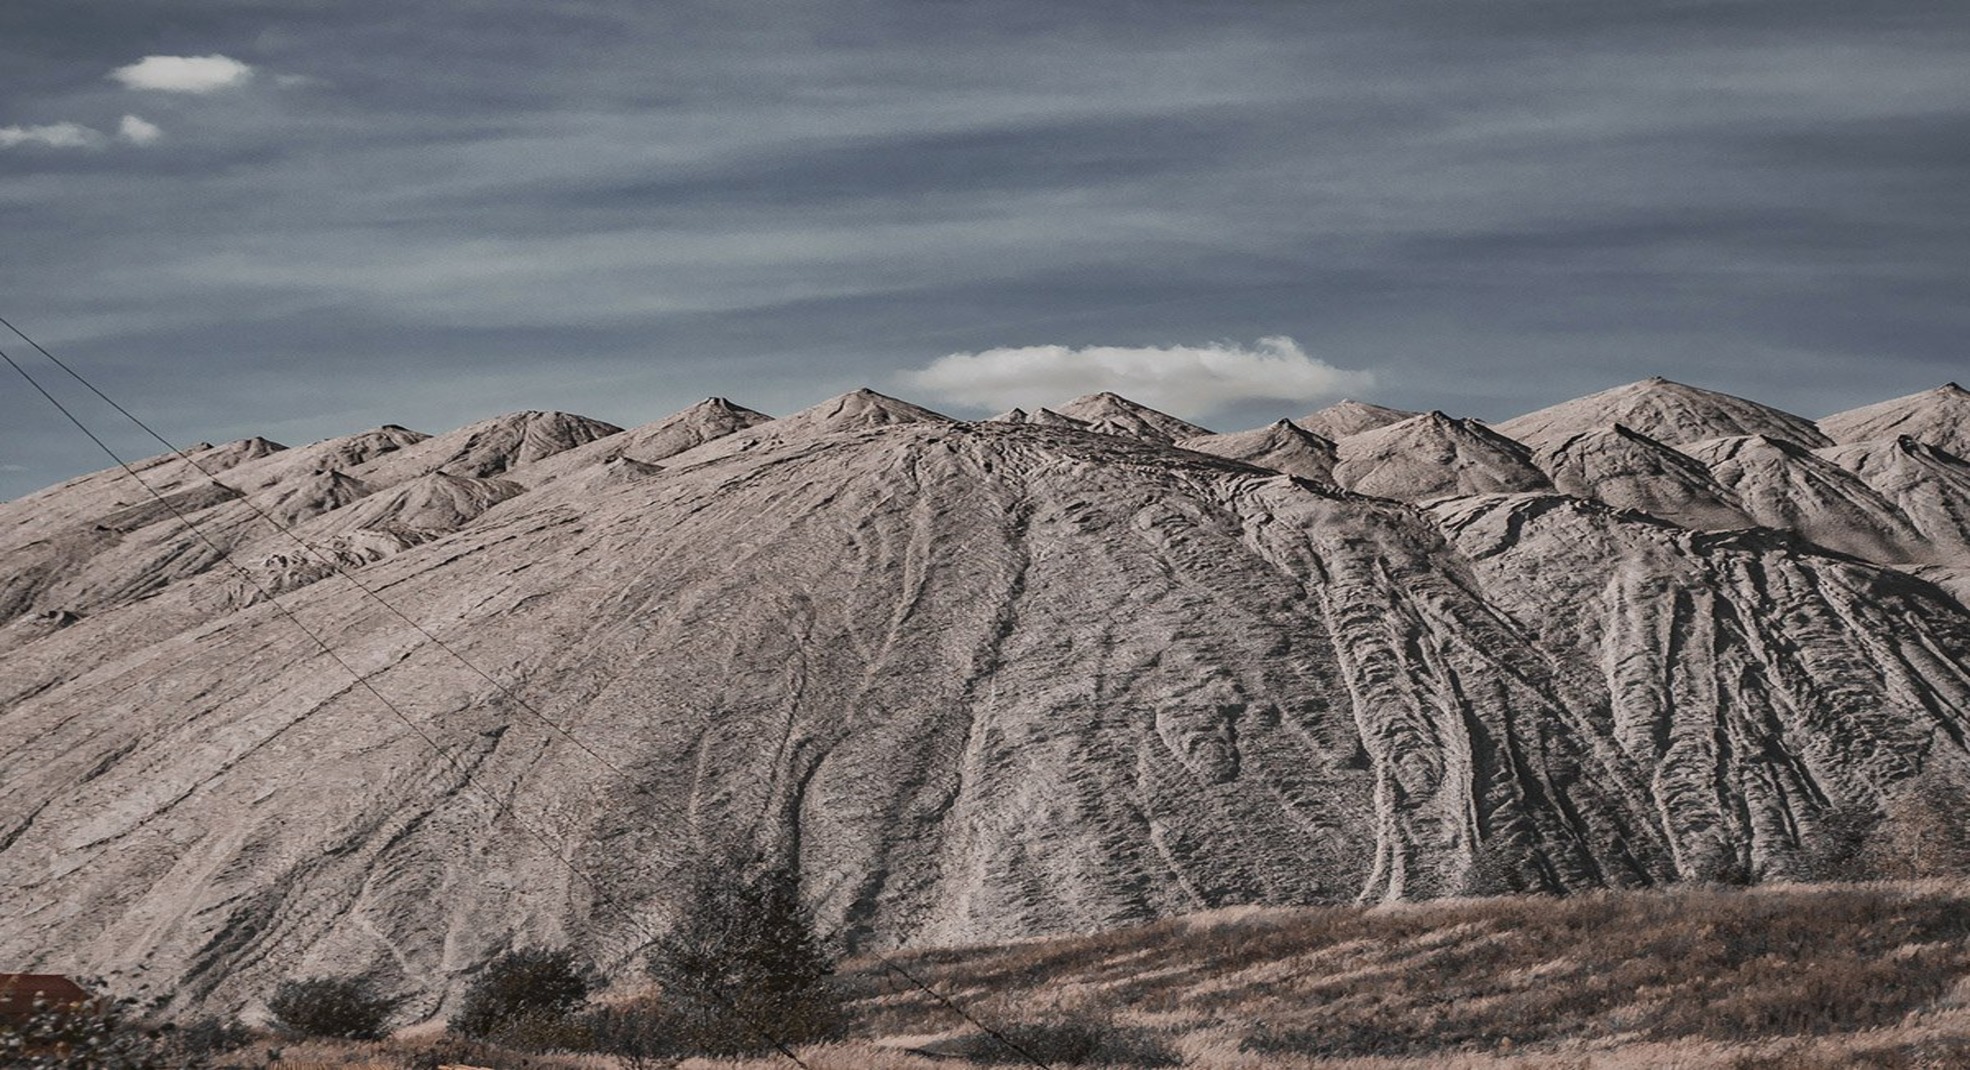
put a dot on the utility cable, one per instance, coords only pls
(329, 560)
(371, 593)
(363, 679)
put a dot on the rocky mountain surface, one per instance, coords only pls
(1433, 455)
(1629, 470)
(1282, 446)
(1350, 417)
(1666, 412)
(1939, 417)
(978, 680)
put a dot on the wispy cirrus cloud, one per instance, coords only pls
(65, 135)
(1185, 380)
(51, 135)
(184, 74)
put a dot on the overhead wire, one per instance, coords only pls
(363, 679)
(997, 1035)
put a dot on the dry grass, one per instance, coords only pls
(1772, 978)
(1695, 976)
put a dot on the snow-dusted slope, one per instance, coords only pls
(980, 680)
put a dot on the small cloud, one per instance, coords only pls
(298, 81)
(13, 468)
(53, 135)
(137, 131)
(183, 74)
(1184, 380)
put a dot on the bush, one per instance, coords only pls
(540, 986)
(331, 1007)
(743, 968)
(98, 1036)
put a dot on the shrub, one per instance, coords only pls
(538, 985)
(331, 1007)
(97, 1036)
(743, 968)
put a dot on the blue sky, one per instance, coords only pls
(308, 218)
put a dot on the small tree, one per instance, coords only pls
(331, 1007)
(743, 967)
(529, 983)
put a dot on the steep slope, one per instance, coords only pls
(86, 500)
(1668, 412)
(1939, 417)
(1929, 487)
(1282, 447)
(1783, 486)
(980, 680)
(1350, 417)
(1628, 470)
(1433, 455)
(1113, 414)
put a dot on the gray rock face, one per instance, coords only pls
(1783, 486)
(979, 680)
(1628, 470)
(1930, 487)
(1668, 412)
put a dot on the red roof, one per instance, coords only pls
(23, 995)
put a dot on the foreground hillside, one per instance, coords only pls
(978, 681)
(1776, 978)
(1779, 977)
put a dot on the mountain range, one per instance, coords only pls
(391, 703)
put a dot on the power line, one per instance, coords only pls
(326, 559)
(504, 690)
(363, 679)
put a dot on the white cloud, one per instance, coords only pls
(1184, 380)
(53, 135)
(137, 131)
(183, 74)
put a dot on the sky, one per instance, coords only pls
(305, 218)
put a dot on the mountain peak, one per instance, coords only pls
(1282, 446)
(1432, 455)
(1939, 416)
(1669, 412)
(1350, 417)
(1111, 413)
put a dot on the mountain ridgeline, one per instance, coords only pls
(1048, 672)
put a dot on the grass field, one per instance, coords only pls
(1772, 978)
